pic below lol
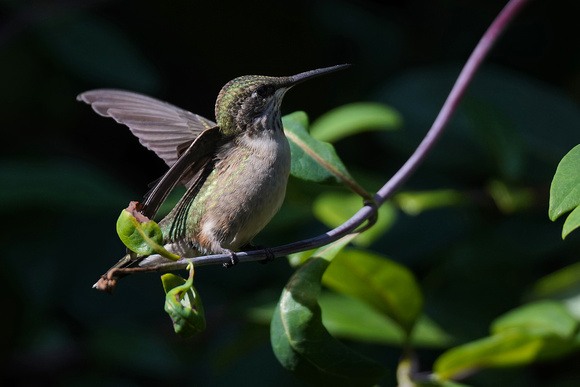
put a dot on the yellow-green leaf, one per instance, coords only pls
(354, 118)
(383, 284)
(140, 234)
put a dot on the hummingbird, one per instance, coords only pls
(235, 170)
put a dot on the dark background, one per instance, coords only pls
(66, 173)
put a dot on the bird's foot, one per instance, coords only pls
(233, 259)
(269, 256)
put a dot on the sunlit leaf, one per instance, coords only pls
(541, 319)
(439, 383)
(304, 346)
(141, 235)
(565, 189)
(538, 331)
(354, 118)
(349, 318)
(327, 252)
(137, 236)
(334, 208)
(572, 305)
(297, 259)
(503, 350)
(385, 285)
(572, 222)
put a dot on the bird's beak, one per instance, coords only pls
(299, 78)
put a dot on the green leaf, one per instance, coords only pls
(383, 284)
(141, 235)
(563, 282)
(538, 331)
(138, 237)
(509, 199)
(362, 323)
(297, 259)
(327, 252)
(303, 345)
(312, 160)
(335, 208)
(565, 188)
(503, 350)
(572, 222)
(542, 319)
(440, 383)
(183, 304)
(355, 118)
(365, 324)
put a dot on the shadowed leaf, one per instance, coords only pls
(314, 160)
(303, 345)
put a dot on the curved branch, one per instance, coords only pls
(449, 107)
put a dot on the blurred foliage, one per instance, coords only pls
(471, 226)
(335, 208)
(354, 118)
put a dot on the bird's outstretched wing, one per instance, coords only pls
(160, 126)
(187, 142)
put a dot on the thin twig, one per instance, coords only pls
(449, 107)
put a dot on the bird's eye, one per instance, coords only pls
(265, 90)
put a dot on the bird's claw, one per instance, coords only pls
(233, 260)
(269, 256)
